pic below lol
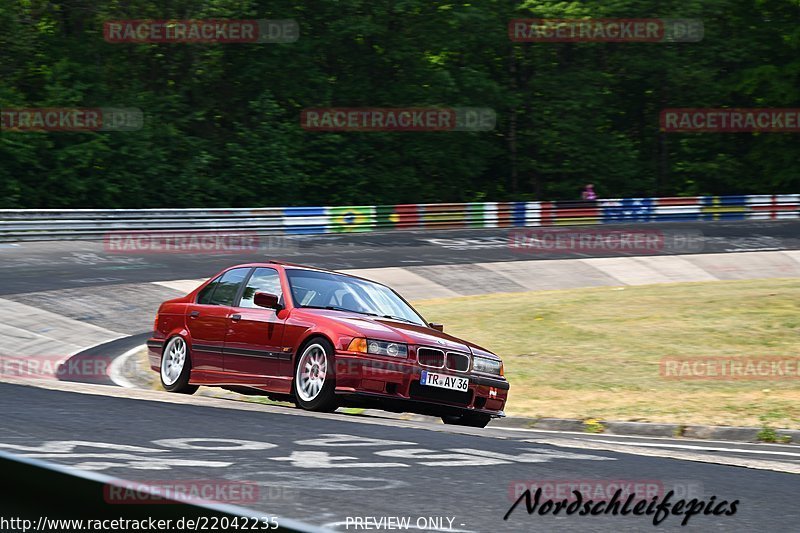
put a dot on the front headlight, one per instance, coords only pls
(375, 347)
(391, 349)
(487, 366)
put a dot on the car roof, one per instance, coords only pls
(274, 262)
(295, 266)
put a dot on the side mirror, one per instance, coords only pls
(437, 327)
(263, 299)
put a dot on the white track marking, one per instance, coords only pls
(793, 468)
(310, 459)
(590, 436)
(68, 446)
(222, 444)
(532, 455)
(115, 369)
(319, 481)
(548, 437)
(125, 460)
(702, 448)
(339, 439)
(439, 458)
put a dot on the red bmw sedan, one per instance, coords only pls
(322, 339)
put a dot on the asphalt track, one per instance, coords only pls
(323, 469)
(416, 470)
(39, 266)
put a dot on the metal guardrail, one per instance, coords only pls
(24, 224)
(57, 224)
(35, 490)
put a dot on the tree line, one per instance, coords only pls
(222, 122)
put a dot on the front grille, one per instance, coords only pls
(435, 394)
(430, 357)
(457, 361)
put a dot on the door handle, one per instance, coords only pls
(236, 318)
(194, 314)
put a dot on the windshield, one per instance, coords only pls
(327, 290)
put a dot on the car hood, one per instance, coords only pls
(387, 329)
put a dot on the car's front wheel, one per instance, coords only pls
(314, 381)
(475, 420)
(176, 365)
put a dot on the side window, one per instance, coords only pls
(263, 280)
(227, 286)
(208, 291)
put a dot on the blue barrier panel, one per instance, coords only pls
(627, 210)
(518, 214)
(740, 199)
(305, 220)
(723, 207)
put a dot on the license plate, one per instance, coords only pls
(443, 381)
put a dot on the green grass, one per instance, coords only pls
(595, 353)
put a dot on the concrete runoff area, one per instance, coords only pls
(794, 254)
(469, 279)
(544, 274)
(125, 308)
(675, 268)
(410, 284)
(32, 331)
(750, 265)
(183, 286)
(552, 274)
(442, 281)
(627, 271)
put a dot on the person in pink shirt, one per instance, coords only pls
(588, 193)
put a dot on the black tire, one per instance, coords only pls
(181, 384)
(475, 420)
(324, 398)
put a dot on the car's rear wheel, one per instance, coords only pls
(314, 381)
(176, 365)
(475, 420)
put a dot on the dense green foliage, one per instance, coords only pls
(222, 121)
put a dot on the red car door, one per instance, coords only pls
(208, 318)
(254, 342)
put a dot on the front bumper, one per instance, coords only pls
(394, 385)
